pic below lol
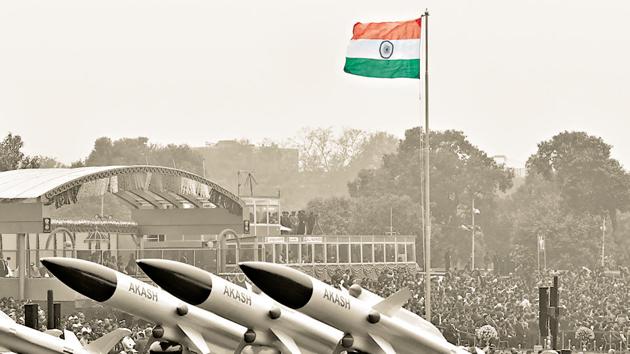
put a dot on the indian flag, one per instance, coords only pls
(385, 50)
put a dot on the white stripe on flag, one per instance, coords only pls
(370, 49)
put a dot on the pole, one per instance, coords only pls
(51, 310)
(544, 254)
(427, 207)
(391, 225)
(538, 251)
(472, 262)
(603, 238)
(21, 266)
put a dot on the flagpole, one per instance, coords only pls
(427, 207)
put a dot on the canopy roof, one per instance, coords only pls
(140, 186)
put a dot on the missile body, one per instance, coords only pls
(373, 329)
(199, 330)
(403, 314)
(25, 340)
(283, 328)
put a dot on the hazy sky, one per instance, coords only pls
(507, 73)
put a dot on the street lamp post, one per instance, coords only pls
(472, 262)
(473, 211)
(603, 227)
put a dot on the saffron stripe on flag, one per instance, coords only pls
(387, 30)
(383, 68)
(370, 49)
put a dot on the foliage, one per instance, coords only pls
(371, 215)
(571, 185)
(321, 151)
(580, 165)
(460, 172)
(138, 151)
(537, 208)
(11, 156)
(49, 162)
(367, 215)
(333, 214)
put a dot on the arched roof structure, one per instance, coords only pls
(143, 187)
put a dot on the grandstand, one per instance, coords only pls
(174, 215)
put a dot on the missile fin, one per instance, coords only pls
(104, 344)
(287, 342)
(71, 339)
(54, 332)
(196, 339)
(383, 344)
(394, 302)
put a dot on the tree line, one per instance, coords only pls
(574, 194)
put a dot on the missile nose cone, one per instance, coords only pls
(89, 279)
(286, 285)
(185, 282)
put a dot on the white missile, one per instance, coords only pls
(25, 340)
(373, 328)
(282, 328)
(198, 330)
(403, 314)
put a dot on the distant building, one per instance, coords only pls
(501, 160)
(520, 171)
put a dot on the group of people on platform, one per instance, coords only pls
(299, 223)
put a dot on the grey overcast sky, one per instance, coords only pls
(507, 73)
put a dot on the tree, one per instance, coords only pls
(49, 162)
(459, 173)
(11, 156)
(537, 208)
(580, 166)
(371, 215)
(333, 214)
(366, 215)
(125, 151)
(322, 151)
(138, 151)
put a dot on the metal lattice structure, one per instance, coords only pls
(140, 186)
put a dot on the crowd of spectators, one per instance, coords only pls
(90, 325)
(463, 301)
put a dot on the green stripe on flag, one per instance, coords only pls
(391, 69)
